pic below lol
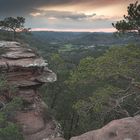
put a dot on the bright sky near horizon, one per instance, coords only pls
(67, 15)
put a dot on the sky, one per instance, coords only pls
(67, 15)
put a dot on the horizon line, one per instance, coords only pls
(107, 30)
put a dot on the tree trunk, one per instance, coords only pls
(54, 100)
(71, 125)
(77, 121)
(139, 31)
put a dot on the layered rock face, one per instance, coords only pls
(27, 71)
(123, 129)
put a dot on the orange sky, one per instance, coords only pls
(105, 12)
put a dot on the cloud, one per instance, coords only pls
(18, 7)
(68, 21)
(35, 14)
(51, 14)
(106, 18)
(67, 15)
(62, 14)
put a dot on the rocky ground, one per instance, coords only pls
(27, 71)
(123, 129)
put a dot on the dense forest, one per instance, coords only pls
(95, 84)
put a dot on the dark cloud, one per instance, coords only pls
(9, 7)
(36, 18)
(23, 7)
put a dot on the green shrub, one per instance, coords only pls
(3, 82)
(2, 120)
(10, 132)
(13, 106)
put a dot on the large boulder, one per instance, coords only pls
(123, 129)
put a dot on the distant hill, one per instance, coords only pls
(104, 39)
(57, 36)
(78, 38)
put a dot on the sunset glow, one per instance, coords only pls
(76, 30)
(67, 15)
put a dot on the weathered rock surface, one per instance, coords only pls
(123, 129)
(27, 71)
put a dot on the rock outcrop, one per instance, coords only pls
(123, 129)
(27, 71)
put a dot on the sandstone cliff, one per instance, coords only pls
(27, 71)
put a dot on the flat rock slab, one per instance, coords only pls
(46, 77)
(17, 55)
(8, 44)
(26, 62)
(27, 95)
(24, 83)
